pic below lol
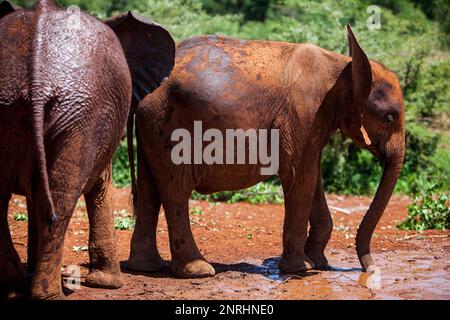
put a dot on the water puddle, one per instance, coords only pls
(403, 275)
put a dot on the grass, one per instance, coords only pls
(124, 223)
(196, 211)
(20, 216)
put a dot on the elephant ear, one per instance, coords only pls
(361, 82)
(361, 71)
(149, 50)
(6, 8)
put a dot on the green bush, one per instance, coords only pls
(255, 10)
(265, 192)
(431, 95)
(121, 166)
(348, 169)
(429, 211)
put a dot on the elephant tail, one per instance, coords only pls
(38, 111)
(130, 146)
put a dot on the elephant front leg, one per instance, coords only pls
(144, 254)
(321, 226)
(104, 271)
(12, 280)
(187, 261)
(298, 202)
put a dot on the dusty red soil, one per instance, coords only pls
(243, 241)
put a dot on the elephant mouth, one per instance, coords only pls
(376, 151)
(374, 148)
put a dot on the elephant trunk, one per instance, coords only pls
(391, 172)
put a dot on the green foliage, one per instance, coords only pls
(431, 94)
(196, 211)
(342, 157)
(20, 216)
(121, 165)
(265, 192)
(428, 211)
(440, 162)
(124, 223)
(438, 10)
(255, 10)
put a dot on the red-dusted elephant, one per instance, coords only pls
(65, 94)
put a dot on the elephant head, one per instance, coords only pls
(149, 49)
(374, 118)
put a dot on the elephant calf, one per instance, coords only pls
(65, 93)
(305, 92)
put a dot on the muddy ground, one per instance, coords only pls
(243, 241)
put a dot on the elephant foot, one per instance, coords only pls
(14, 292)
(319, 260)
(193, 269)
(106, 280)
(13, 285)
(154, 264)
(367, 262)
(295, 263)
(59, 295)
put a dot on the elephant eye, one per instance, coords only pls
(389, 118)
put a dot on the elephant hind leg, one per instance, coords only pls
(104, 271)
(144, 254)
(12, 278)
(187, 261)
(33, 241)
(46, 282)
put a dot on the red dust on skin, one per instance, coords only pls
(415, 265)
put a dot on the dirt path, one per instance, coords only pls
(244, 243)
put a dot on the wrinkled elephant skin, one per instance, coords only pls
(304, 91)
(65, 94)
